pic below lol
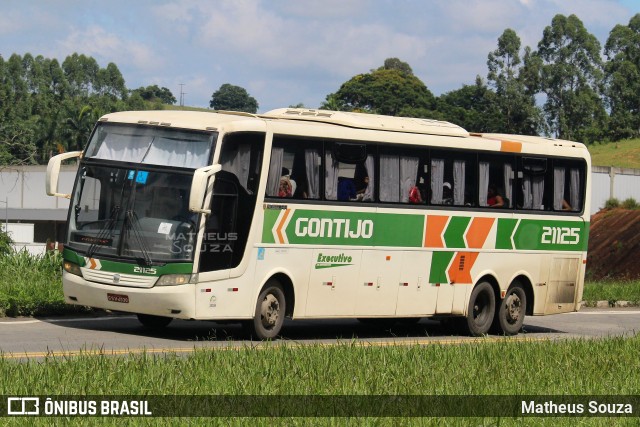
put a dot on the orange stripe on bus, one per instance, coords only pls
(511, 146)
(282, 221)
(460, 269)
(435, 227)
(478, 232)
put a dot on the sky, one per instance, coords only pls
(285, 52)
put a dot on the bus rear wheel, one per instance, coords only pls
(154, 322)
(510, 316)
(481, 310)
(269, 314)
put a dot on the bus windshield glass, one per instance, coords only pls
(151, 145)
(132, 213)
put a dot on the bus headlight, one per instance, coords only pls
(173, 279)
(72, 268)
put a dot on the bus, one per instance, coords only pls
(314, 214)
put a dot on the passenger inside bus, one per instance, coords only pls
(494, 199)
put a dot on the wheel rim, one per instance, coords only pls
(513, 306)
(269, 311)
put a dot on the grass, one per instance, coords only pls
(612, 291)
(32, 285)
(604, 367)
(624, 154)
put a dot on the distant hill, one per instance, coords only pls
(623, 154)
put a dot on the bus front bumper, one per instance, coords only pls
(171, 301)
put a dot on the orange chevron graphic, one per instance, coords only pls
(460, 268)
(92, 263)
(281, 225)
(478, 232)
(435, 227)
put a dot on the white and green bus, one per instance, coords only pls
(313, 214)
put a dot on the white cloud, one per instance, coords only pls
(101, 44)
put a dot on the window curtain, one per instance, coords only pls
(331, 177)
(312, 167)
(508, 183)
(558, 188)
(574, 193)
(275, 170)
(369, 192)
(237, 162)
(437, 180)
(483, 169)
(408, 174)
(130, 148)
(459, 167)
(527, 196)
(181, 152)
(389, 178)
(537, 187)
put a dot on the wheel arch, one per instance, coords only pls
(526, 284)
(287, 287)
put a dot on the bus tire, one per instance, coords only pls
(510, 315)
(481, 310)
(154, 322)
(269, 314)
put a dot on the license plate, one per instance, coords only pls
(118, 298)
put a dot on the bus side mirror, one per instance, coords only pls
(53, 172)
(199, 187)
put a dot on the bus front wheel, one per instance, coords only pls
(510, 315)
(481, 310)
(269, 314)
(154, 322)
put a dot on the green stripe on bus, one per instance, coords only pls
(454, 234)
(439, 263)
(128, 268)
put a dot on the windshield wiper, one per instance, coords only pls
(131, 222)
(104, 232)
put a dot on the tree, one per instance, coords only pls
(622, 76)
(392, 92)
(474, 107)
(396, 64)
(517, 108)
(233, 98)
(571, 78)
(156, 94)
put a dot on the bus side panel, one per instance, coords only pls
(333, 282)
(416, 296)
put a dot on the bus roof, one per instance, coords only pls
(369, 121)
(211, 121)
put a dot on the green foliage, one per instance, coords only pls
(155, 94)
(388, 91)
(622, 73)
(472, 107)
(517, 109)
(46, 107)
(612, 203)
(629, 203)
(5, 244)
(31, 285)
(571, 77)
(233, 98)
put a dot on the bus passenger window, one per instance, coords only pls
(294, 169)
(567, 187)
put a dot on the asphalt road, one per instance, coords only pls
(123, 334)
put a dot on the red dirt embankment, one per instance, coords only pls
(614, 245)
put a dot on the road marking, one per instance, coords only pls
(78, 319)
(606, 312)
(243, 345)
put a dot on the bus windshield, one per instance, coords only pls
(139, 214)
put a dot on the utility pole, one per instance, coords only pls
(182, 94)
